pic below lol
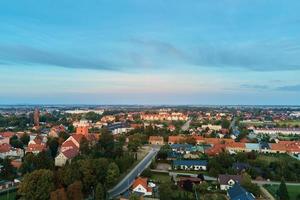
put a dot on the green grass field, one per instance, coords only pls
(289, 122)
(274, 157)
(293, 191)
(161, 177)
(8, 196)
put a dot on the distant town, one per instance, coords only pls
(149, 152)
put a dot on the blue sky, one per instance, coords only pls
(150, 52)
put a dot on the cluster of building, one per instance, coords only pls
(218, 145)
(273, 131)
(165, 116)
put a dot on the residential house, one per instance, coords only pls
(158, 140)
(176, 139)
(252, 147)
(190, 165)
(212, 127)
(237, 192)
(227, 181)
(65, 156)
(140, 185)
(236, 146)
(181, 148)
(194, 180)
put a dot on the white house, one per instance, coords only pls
(140, 185)
(227, 181)
(65, 156)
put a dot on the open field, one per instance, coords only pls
(268, 158)
(290, 123)
(8, 196)
(294, 191)
(160, 177)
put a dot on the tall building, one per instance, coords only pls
(36, 117)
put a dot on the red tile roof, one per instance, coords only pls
(156, 139)
(176, 139)
(7, 134)
(71, 153)
(143, 182)
(36, 147)
(5, 148)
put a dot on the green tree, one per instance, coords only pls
(25, 138)
(84, 146)
(282, 191)
(53, 146)
(100, 193)
(74, 191)
(8, 172)
(37, 185)
(15, 142)
(112, 174)
(92, 116)
(43, 160)
(165, 191)
(134, 196)
(248, 185)
(59, 194)
(70, 173)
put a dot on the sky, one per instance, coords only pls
(150, 52)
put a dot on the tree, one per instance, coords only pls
(70, 173)
(43, 160)
(8, 172)
(15, 142)
(112, 174)
(28, 163)
(248, 185)
(84, 146)
(25, 138)
(165, 191)
(92, 116)
(74, 191)
(106, 143)
(100, 193)
(133, 145)
(203, 187)
(282, 191)
(59, 194)
(134, 196)
(37, 185)
(53, 146)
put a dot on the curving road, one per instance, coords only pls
(125, 184)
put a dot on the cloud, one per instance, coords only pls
(254, 86)
(21, 54)
(293, 88)
(255, 56)
(259, 55)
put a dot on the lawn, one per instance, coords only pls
(275, 157)
(160, 177)
(8, 196)
(290, 122)
(293, 191)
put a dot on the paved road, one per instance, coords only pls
(186, 126)
(125, 184)
(274, 183)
